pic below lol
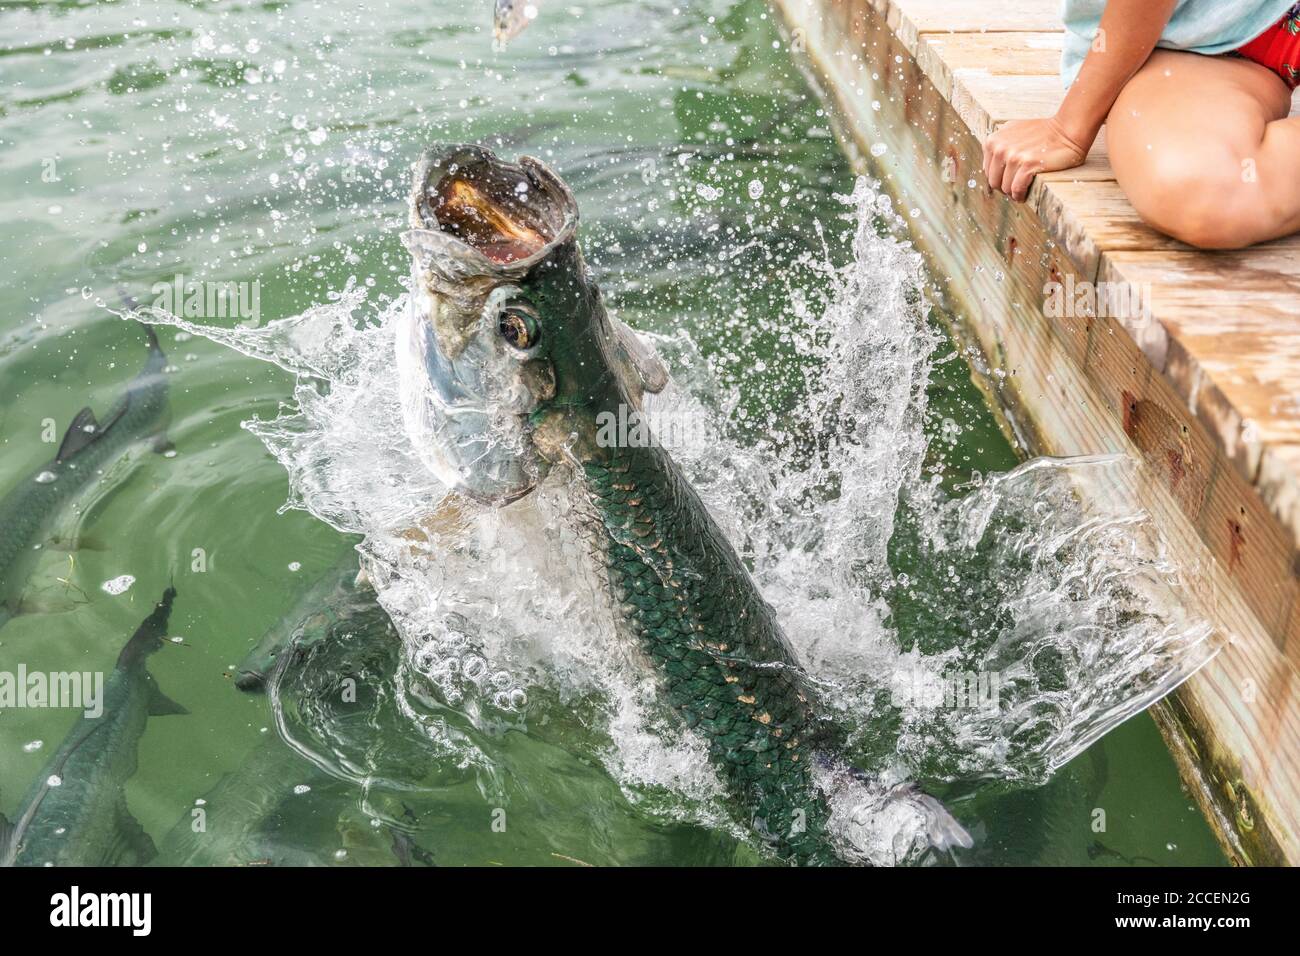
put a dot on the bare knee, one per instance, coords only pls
(1216, 204)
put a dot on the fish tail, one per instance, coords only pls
(155, 347)
(941, 827)
(133, 305)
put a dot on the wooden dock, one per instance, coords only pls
(1202, 386)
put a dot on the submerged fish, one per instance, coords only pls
(279, 810)
(333, 598)
(89, 446)
(510, 366)
(510, 17)
(75, 814)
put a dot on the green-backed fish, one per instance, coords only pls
(510, 366)
(333, 598)
(28, 511)
(75, 813)
(278, 809)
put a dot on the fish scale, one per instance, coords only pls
(726, 667)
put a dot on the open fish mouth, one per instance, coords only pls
(479, 227)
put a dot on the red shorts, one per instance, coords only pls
(1278, 48)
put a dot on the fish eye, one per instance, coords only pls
(518, 325)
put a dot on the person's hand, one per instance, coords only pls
(1019, 150)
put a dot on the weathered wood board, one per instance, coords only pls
(1202, 386)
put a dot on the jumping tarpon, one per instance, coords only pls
(509, 368)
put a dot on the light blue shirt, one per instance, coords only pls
(1201, 26)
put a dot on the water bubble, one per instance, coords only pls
(45, 477)
(32, 746)
(474, 667)
(755, 189)
(301, 788)
(54, 780)
(879, 149)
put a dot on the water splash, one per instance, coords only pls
(1042, 577)
(1069, 616)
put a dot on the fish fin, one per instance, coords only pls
(640, 360)
(82, 431)
(941, 827)
(131, 846)
(160, 705)
(154, 345)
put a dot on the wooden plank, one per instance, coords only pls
(908, 18)
(1091, 217)
(998, 54)
(1279, 466)
(1234, 351)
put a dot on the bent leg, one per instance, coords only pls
(1203, 149)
